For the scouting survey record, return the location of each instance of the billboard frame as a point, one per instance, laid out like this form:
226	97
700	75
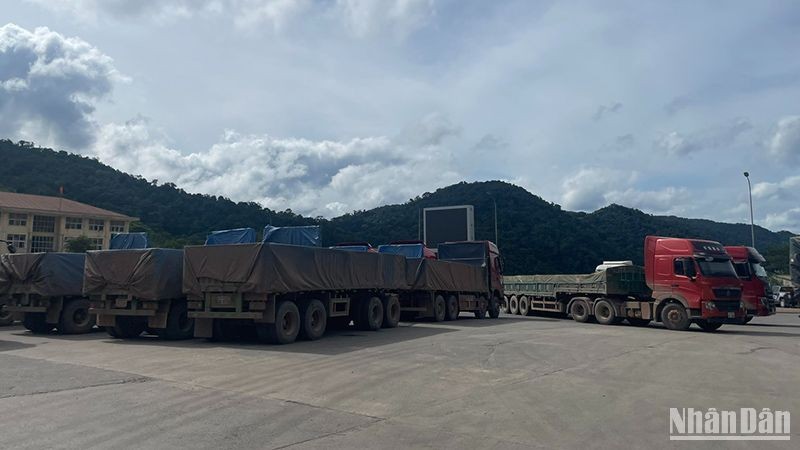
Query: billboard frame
470	220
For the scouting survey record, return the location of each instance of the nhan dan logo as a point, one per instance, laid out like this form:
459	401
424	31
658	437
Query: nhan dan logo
745	424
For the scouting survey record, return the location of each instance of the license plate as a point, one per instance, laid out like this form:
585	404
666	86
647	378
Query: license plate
120	303
221	301
731	315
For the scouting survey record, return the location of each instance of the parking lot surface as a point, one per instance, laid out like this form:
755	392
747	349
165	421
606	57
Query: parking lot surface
514	382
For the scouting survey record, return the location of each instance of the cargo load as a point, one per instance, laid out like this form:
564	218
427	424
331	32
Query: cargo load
235	236
309	236
430	274
619	280
120	241
150	274
44	274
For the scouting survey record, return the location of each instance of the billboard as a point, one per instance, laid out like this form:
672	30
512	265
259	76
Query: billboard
447	224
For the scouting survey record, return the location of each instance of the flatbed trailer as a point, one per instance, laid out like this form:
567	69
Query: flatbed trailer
287	291
44	291
137	290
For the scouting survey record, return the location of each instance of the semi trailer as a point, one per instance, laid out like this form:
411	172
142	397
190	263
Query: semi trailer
44	291
683	281
133	291
756	294
287	291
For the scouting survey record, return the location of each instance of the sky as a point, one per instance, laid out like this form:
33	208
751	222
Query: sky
329	106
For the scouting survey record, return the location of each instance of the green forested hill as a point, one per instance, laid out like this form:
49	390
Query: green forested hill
535	236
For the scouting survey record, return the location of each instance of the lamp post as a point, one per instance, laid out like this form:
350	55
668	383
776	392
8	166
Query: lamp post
752	225
496	238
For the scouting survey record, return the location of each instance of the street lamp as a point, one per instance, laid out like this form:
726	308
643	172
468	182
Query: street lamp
752	226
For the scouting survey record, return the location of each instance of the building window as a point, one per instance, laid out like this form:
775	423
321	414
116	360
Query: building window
96	225
40	244
117	227
17	219
73	223
17	240
44	224
97	244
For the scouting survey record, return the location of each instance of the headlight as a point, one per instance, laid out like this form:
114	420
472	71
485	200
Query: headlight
711	305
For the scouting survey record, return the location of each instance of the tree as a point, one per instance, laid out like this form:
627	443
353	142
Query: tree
80	244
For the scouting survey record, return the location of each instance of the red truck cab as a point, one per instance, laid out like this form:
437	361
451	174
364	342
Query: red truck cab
755	287
409	249
693	281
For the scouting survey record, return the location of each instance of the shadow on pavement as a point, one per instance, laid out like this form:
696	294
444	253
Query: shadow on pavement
7	346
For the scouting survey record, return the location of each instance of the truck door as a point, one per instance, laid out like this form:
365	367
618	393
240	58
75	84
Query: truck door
684	274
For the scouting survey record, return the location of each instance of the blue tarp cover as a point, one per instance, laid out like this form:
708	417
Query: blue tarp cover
126	241
309	236
235	236
407	250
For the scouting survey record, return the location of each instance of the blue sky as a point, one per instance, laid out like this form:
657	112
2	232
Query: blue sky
331	106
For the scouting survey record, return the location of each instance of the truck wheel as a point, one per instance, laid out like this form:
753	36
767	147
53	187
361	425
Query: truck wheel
439	309
75	317
674	317
315	320
604	312
37	323
747	319
637	322
504	305
524	306
579	311
370	317
494	308
480	313
129	327
452	307
6	318
513	305
179	325
112	331
286	326
708	326
391	311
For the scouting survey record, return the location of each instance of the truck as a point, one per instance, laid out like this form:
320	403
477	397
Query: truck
409	249
683	281
756	294
138	290
44	291
287	291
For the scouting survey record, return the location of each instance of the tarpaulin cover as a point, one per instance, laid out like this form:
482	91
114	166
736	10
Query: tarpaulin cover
45	274
236	236
466	252
150	274
407	250
120	241
794	259
430	274
623	280
307	235
275	268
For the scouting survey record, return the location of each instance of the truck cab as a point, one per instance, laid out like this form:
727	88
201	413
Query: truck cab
693	281
484	254
755	285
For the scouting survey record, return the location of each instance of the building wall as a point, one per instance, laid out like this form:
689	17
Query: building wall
96	228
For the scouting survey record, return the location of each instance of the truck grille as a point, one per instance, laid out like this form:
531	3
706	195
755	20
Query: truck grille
727	306
728	293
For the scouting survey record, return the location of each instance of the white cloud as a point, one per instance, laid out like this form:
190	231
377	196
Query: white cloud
366	17
716	137
49	84
785	143
783	220
786	189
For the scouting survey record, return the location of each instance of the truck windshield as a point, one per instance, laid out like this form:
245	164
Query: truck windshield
758	269
742	269
716	267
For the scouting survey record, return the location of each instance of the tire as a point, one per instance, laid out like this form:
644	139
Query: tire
315	320
708	326
524	306
37	323
604	312
75	317
129	327
439	309
513	305
579	311
338	323
391	311
452	307
504	306
6	317
637	322
747	319
370	315
480	313
674	317
112	331
179	325
286	327
494	308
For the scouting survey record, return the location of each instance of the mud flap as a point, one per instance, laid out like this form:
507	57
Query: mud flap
54	310
204	328
159	320
106	320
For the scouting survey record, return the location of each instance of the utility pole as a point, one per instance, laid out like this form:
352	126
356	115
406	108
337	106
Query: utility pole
496	237
752	225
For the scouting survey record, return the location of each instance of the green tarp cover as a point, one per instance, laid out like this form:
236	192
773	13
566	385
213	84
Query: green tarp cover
625	280
150	274
45	274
